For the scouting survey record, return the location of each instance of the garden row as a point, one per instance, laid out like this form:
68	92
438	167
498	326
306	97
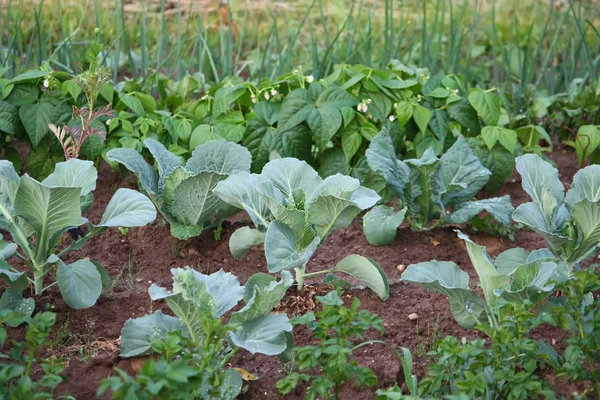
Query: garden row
303	158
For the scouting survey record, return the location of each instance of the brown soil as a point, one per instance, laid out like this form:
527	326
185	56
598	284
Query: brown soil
145	256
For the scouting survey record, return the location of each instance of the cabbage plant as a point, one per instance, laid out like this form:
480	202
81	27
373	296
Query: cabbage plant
199	302
432	188
37	214
570	224
515	276
183	193
294	211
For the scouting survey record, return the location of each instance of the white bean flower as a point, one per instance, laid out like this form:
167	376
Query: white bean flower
392	118
310	79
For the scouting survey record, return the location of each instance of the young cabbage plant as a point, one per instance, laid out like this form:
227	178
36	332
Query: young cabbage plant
294	211
516	276
569	224
37	214
184	193
432	188
199	302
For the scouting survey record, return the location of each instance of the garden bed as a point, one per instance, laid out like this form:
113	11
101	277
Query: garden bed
89	338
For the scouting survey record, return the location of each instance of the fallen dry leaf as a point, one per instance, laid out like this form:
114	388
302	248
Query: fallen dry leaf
247	376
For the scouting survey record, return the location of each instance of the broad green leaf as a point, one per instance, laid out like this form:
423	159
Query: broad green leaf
586	215
148	102
295	109
232	385
71	87
588	140
380	225
446	278
426	187
245	239
351	141
74	173
439	124
381	157
331	299
487	104
133	103
137	334
167	161
202	134
425	141
367	271
531	282
16	280
499	207
295	142
462	112
404	111
500	162
13	300
239	190
35	119
22	94
185	232
225	96
41	160
260	139
422	116
8	117
92	147
80	283
134	162
256	281
495	134
265	298
265	335
190	300
336	202
324	123
539	178
540	254
334	97
32	74
490	279
219	156
224	287
194	202
50	211
461	174
281	251
586	185
531	135
290	174
128	208
531	215
7	249
9	182
439	93
333	161
508	261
